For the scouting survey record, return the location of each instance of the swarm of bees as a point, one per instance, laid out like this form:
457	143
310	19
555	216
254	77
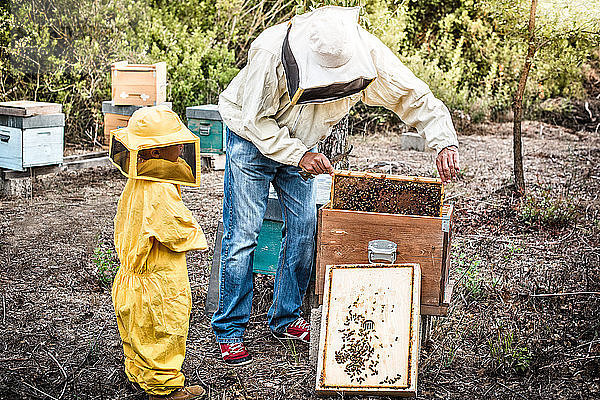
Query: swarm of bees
357	351
384	195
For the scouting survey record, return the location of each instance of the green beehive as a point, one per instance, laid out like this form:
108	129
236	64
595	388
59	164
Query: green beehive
206	123
266	254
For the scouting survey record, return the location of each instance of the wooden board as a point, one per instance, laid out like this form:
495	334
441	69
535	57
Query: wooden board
25	108
369	337
343	237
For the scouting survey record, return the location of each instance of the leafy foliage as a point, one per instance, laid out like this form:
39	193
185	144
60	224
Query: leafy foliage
468	52
543	209
507	354
107	264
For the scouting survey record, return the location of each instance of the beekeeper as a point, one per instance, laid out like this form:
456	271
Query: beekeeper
153	230
301	78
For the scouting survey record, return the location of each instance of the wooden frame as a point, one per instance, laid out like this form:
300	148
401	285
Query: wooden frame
380	176
369	341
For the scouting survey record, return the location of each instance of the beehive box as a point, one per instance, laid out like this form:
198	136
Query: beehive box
407	211
116	116
31	134
369	339
205	122
139	84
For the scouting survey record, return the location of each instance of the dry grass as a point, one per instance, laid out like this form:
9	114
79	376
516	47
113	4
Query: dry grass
500	341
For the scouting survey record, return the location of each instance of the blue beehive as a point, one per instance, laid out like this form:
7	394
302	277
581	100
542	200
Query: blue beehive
31	134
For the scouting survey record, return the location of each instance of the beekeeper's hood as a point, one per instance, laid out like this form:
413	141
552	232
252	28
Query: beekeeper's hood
325	57
156	146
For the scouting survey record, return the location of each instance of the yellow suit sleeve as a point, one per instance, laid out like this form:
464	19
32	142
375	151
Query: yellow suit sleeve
170	222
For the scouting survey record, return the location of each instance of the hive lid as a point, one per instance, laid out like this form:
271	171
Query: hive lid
370	329
206	111
109	107
34	121
26	108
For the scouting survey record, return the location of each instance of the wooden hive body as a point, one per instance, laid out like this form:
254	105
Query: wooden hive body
343	237
117	116
139	84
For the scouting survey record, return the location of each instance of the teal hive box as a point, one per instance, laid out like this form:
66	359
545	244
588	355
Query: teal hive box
206	123
266	254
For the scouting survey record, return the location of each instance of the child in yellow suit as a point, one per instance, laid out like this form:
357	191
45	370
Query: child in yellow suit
153	230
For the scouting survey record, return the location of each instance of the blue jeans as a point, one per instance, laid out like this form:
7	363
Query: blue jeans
248	174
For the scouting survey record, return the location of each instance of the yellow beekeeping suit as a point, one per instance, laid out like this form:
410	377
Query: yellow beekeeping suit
151	292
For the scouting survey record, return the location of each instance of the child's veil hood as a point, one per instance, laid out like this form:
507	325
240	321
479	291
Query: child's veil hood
155	127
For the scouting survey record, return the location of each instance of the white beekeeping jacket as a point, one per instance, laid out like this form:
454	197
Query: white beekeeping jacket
304	75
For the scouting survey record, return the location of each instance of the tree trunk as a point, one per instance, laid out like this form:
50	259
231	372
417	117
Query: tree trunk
518	104
335	146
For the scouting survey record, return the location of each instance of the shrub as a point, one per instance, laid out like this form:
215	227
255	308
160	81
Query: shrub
107	264
467	269
61	50
541	208
507	355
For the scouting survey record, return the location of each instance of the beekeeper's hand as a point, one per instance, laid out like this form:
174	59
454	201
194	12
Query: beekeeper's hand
315	163
447	163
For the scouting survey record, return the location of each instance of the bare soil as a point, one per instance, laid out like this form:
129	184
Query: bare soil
511	332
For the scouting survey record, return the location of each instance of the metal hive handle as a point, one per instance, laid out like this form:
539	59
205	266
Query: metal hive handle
382	250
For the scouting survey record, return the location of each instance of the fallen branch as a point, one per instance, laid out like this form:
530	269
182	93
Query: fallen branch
62	370
563	294
571	360
79	368
38	390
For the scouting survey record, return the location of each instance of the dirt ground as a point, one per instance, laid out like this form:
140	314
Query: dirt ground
501	340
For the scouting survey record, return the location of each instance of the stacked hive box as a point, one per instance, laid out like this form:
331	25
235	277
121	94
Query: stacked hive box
368	211
116	116
138	84
133	86
31	134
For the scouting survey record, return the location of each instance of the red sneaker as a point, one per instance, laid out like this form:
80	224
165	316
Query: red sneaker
299	329
235	354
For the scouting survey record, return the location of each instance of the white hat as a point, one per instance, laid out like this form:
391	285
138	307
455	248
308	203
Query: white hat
325	57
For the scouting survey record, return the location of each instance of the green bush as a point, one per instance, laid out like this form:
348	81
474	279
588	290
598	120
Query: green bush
507	355
107	264
542	208
467	269
61	51
468	52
